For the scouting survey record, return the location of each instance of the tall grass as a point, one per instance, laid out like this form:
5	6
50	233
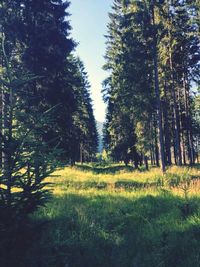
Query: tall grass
112	216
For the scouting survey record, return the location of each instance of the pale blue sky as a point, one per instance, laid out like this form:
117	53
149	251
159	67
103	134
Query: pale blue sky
88	20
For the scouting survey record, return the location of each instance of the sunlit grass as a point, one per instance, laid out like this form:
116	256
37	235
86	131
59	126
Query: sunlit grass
83	180
116	216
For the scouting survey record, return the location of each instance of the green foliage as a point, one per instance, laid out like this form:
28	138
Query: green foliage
26	160
45	109
84	140
148	39
130	99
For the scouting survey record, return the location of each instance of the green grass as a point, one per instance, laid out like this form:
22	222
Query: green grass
112	216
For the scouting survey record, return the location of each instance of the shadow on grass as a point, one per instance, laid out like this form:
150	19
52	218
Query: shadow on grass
105	230
196	166
105	170
120	184
112	169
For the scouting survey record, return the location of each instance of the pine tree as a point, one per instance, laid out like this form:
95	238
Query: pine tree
152	55
84	133
41	91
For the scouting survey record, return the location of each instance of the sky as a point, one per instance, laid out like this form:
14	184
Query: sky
89	19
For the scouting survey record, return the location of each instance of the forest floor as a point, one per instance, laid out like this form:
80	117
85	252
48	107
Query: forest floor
113	216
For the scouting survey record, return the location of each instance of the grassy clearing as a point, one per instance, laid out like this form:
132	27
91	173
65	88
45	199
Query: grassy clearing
118	178
113	216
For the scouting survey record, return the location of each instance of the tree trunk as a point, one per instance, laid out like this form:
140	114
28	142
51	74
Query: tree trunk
81	153
177	140
183	149
176	116
189	135
156	149
6	142
157	92
7	118
146	163
166	129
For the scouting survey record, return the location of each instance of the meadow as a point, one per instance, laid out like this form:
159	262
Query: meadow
114	216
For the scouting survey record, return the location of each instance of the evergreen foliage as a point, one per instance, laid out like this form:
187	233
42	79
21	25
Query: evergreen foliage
46	114
153	59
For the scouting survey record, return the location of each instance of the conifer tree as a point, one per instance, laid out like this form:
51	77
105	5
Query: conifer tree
41	91
153	57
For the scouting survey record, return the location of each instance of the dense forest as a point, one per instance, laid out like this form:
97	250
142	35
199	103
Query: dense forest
67	197
46	110
153	59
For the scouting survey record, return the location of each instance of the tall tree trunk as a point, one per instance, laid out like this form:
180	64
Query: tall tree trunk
176	116
157	91
146	163
7	114
189	135
166	129
183	149
1	133
174	138
151	156
152	147
6	142
156	148
177	143
81	153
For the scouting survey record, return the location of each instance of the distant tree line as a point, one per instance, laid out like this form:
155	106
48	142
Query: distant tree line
153	55
46	113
